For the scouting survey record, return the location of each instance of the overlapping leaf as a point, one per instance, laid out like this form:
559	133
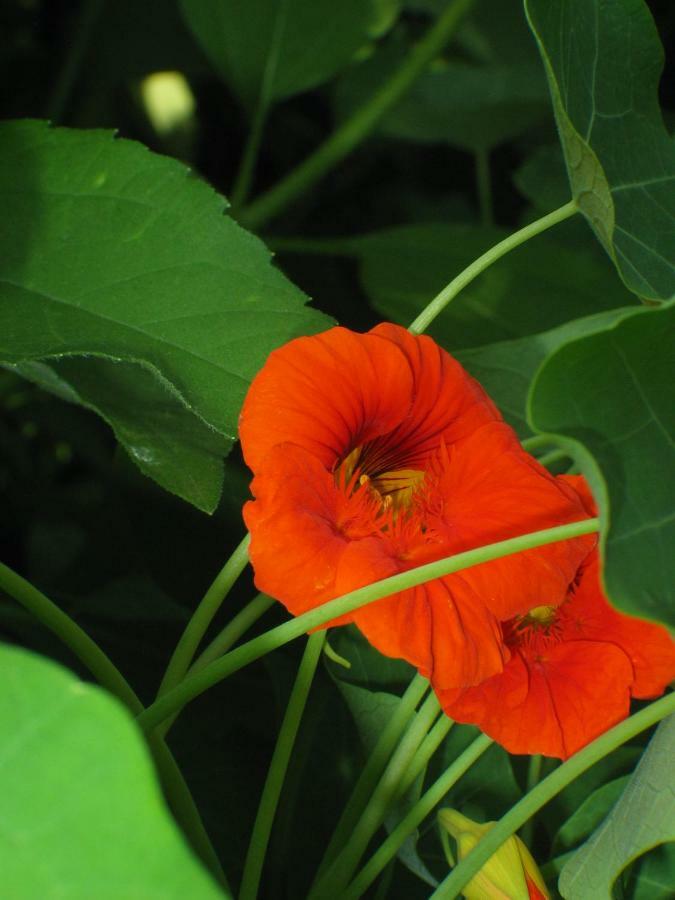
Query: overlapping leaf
540	285
603	62
506	369
82	814
643	817
611	392
108	250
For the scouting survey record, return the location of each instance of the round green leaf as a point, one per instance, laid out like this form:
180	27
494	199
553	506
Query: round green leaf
82	814
611	392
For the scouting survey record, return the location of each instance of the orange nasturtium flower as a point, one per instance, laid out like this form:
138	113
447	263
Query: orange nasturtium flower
375	453
572	671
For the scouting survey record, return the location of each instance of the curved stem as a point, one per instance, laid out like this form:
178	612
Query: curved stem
277	771
431	798
338	874
203	616
373	769
95	660
538	442
70	633
196	684
553	456
438	304
222	643
355	129
549	788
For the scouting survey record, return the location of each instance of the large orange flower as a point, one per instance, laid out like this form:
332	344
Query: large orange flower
572	671
376	453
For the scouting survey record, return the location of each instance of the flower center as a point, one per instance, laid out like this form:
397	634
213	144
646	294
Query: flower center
540	625
394	488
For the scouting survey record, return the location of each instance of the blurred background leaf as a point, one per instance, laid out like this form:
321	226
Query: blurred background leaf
277	48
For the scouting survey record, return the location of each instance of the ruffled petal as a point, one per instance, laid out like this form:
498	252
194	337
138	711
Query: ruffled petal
490	490
326	393
441	627
448	404
300	526
650	647
554	704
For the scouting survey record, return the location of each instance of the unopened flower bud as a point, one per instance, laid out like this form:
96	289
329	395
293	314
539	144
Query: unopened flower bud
510	874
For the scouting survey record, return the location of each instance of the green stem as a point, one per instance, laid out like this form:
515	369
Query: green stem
70	633
533	776
338	874
427	748
203	616
484	187
374	768
103	670
234	629
194	685
356	129
277	771
222	643
538	442
438	304
89	13
547	789
430	799
553	457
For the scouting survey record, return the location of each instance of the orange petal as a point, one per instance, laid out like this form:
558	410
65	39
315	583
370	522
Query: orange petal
650	647
448	403
553	705
326	393
493	491
300	526
441	627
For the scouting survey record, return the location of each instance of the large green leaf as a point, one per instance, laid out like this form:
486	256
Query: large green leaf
107	250
603	62
506	369
491	93
611	392
82	813
164	438
536	287
270	49
642	818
